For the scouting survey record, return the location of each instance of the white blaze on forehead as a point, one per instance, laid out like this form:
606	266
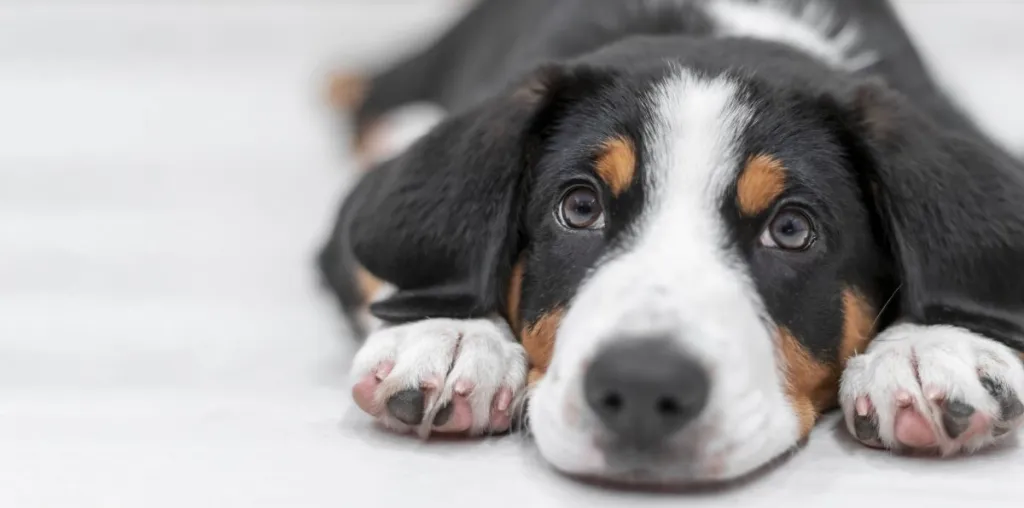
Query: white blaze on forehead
677	277
677	270
693	144
676	259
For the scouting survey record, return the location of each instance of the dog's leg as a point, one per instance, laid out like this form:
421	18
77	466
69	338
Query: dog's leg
933	388
419	78
442	376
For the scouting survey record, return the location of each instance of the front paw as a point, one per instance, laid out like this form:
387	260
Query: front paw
442	375
933	388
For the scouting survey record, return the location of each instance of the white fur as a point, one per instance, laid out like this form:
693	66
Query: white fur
949	359
675	279
442	352
398	129
806	27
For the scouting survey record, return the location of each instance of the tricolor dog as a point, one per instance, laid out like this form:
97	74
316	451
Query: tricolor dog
674	233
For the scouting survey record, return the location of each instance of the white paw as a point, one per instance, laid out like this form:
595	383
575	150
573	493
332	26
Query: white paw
933	388
442	375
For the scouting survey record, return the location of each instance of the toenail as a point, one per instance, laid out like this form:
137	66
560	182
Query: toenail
382	371
863	406
407	406
904	399
463	387
444	414
504	400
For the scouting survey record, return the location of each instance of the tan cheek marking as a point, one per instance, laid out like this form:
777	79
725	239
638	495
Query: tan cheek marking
617	164
515	294
539	342
858	325
762	181
811	386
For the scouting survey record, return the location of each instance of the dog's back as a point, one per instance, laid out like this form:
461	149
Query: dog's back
499	41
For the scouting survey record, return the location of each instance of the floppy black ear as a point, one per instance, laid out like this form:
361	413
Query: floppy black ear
952	203
441	221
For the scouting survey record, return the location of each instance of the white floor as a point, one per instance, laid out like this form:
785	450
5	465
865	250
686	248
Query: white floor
166	174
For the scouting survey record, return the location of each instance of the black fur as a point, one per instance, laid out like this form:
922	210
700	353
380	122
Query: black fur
911	198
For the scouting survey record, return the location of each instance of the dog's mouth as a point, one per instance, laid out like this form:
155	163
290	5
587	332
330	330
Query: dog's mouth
735	440
658	477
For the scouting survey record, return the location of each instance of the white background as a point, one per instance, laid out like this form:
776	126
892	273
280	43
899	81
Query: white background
167	171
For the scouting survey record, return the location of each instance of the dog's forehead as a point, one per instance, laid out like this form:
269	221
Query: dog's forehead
703	139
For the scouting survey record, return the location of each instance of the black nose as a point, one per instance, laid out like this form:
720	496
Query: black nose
644	391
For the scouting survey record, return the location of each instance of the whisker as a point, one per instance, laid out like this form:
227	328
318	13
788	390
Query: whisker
887	302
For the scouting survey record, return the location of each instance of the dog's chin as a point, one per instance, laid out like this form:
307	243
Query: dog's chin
657	480
679	474
717	452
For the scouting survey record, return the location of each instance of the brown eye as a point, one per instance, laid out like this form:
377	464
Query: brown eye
581	209
789	230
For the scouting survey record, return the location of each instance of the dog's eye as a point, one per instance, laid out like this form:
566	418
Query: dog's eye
789	230
581	209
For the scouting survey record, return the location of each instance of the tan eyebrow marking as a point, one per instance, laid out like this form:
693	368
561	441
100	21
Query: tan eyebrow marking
762	181
616	165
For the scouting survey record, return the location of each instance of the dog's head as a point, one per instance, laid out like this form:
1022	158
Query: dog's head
690	255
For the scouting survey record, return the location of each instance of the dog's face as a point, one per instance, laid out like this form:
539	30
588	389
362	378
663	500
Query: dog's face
689	257
700	261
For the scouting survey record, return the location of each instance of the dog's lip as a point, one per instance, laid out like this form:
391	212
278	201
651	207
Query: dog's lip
647	480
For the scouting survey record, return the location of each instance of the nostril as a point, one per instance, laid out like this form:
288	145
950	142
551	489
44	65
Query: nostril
612	402
669	407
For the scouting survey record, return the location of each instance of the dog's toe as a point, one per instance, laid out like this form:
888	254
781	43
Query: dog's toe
926	389
441	376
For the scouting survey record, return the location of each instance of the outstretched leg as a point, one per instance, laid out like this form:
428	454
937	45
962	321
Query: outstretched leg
933	388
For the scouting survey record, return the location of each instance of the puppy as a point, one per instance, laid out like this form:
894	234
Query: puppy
681	231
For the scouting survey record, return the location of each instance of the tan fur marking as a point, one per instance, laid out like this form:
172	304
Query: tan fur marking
346	91
858	325
617	164
539	342
368	284
368	146
811	386
762	181
515	293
